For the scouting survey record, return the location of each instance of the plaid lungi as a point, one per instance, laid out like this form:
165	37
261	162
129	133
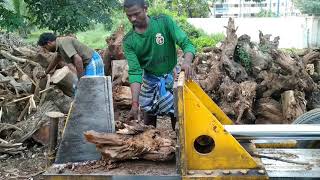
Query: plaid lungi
156	95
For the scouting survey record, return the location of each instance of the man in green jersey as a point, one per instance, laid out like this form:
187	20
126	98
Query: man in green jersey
150	49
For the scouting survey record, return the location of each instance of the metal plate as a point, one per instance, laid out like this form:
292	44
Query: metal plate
92	110
280	169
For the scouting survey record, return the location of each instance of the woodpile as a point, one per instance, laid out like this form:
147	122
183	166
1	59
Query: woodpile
253	82
24	97
257	82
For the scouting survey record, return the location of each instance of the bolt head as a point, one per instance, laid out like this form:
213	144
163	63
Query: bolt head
226	172
244	172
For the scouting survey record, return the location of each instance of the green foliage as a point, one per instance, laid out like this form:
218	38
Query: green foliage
192	8
245	59
308	6
190	30
70	16
9	20
207	41
266	13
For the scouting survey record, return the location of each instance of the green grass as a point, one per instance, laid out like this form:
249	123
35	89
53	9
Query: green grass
94	38
207	40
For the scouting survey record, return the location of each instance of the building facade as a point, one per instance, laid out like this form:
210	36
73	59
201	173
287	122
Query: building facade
242	8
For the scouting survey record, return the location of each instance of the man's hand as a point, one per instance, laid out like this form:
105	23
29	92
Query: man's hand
187	65
134	112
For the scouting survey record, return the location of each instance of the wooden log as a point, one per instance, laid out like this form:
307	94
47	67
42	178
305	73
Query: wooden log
120	74
122	95
243	106
293	105
65	80
24	51
150	145
17	59
269	111
234	70
33	123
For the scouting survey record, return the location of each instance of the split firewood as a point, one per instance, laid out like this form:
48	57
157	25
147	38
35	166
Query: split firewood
18	87
17	59
33	123
24	52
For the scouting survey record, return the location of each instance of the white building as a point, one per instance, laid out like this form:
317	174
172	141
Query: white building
241	8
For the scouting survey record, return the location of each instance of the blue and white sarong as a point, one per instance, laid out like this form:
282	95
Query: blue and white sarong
156	95
95	66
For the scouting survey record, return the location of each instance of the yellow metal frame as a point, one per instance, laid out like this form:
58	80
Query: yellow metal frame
198	115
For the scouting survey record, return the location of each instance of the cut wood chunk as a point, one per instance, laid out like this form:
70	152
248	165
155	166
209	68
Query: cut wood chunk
122	95
65	79
120	72
293	105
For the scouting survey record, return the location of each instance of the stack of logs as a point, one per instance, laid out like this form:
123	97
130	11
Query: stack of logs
24	97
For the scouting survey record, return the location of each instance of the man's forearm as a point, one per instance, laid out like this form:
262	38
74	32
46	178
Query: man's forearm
135	91
53	64
78	63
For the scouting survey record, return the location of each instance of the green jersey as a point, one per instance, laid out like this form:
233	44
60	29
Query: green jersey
154	51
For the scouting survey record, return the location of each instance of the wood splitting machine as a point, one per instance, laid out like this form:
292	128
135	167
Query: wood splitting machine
210	146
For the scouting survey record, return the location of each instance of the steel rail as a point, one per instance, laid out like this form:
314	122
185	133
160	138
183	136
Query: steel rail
294	132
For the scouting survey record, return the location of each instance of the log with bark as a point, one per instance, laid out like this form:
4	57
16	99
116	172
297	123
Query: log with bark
65	79
293	105
134	142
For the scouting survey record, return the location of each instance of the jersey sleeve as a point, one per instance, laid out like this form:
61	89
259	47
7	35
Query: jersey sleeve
135	71
180	36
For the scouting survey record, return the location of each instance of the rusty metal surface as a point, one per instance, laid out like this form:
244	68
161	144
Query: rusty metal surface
130	168
307	166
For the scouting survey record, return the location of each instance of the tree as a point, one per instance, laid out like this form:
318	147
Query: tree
308	6
9	20
192	8
70	16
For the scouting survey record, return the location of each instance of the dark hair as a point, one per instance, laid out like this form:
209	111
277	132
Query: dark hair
45	38
130	3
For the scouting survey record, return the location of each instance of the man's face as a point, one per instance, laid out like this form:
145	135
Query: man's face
50	46
137	15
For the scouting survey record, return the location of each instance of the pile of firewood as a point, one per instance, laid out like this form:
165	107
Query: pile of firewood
257	82
24	97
